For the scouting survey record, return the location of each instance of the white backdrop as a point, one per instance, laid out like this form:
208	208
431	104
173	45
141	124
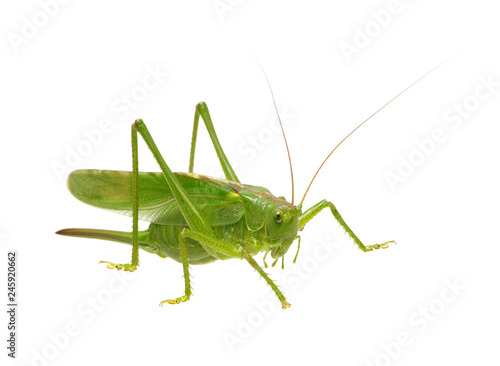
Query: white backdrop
423	172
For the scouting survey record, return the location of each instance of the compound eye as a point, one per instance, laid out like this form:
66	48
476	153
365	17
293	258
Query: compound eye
278	216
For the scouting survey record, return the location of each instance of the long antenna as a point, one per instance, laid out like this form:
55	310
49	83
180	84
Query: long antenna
366	120
281	125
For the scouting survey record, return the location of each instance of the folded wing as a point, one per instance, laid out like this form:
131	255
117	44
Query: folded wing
217	201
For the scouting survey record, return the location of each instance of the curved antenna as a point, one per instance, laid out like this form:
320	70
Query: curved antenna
281	125
366	120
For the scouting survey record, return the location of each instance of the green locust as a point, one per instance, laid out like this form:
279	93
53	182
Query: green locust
197	219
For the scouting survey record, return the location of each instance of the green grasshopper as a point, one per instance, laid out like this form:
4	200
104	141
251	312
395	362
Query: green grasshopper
197	219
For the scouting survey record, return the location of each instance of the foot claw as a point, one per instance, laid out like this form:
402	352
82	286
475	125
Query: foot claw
385	245
285	305
175	301
129	267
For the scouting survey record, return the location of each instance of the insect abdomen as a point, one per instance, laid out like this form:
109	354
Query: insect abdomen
165	238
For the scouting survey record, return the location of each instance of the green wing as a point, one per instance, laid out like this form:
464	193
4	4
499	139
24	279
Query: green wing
216	200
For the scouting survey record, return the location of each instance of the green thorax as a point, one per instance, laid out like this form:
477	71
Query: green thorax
258	228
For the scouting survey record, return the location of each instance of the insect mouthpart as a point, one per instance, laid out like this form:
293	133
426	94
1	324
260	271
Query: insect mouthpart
279	249
276	252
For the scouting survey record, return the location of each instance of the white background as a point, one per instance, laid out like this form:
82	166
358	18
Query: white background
348	307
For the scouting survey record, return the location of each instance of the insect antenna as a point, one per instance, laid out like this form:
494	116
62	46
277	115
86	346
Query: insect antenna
366	120
281	125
